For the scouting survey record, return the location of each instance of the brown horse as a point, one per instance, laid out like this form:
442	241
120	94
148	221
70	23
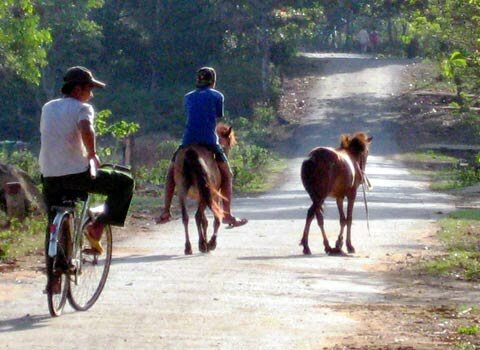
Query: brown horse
197	176
336	173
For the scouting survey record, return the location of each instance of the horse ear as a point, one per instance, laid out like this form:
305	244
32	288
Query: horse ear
229	131
344	141
369	140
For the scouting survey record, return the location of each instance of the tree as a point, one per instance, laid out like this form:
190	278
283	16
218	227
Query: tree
76	40
23	43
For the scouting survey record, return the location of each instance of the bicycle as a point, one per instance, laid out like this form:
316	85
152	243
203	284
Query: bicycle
79	271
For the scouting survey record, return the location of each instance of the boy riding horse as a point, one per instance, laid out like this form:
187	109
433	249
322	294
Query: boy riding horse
203	106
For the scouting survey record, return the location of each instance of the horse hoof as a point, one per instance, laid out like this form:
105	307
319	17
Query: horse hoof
336	252
188	249
351	250
307	251
212	244
203	247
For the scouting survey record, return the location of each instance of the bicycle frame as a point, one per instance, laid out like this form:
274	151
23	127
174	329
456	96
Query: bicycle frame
78	221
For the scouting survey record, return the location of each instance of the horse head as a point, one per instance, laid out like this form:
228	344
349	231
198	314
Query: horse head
226	137
356	146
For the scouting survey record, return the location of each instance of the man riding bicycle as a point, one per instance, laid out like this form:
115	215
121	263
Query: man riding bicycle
203	107
68	147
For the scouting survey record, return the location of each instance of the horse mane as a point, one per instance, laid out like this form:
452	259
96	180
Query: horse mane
226	131
356	143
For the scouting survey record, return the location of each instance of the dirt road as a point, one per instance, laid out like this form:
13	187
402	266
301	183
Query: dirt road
257	290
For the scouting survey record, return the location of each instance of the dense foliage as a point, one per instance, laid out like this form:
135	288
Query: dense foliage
148	51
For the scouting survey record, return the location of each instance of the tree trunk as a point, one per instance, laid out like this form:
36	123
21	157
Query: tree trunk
349	34
390	30
265	52
155	44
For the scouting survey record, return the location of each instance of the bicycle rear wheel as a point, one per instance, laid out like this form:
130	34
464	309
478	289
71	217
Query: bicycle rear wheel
87	283
57	281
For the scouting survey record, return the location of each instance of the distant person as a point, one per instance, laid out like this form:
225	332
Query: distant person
413	48
364	40
203	106
374	40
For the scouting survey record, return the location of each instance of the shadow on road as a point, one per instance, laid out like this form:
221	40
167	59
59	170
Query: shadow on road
23	323
135	259
282	257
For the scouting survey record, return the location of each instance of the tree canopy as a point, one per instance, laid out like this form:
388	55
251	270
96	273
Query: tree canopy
148	51
23	44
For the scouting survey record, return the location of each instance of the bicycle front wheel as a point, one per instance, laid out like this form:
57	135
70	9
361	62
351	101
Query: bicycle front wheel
87	283
57	281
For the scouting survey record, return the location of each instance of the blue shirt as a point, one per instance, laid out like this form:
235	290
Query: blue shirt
202	106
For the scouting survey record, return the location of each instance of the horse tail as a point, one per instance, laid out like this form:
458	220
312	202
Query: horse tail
193	171
316	174
307	174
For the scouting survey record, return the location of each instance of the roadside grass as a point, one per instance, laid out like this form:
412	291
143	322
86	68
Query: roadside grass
460	232
21	238
430	157
456	325
145	203
469	330
442	170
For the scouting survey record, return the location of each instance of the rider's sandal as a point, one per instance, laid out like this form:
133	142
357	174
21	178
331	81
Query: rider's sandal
94	243
234	222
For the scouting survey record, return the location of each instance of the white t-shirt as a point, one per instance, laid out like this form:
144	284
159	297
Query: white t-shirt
62	151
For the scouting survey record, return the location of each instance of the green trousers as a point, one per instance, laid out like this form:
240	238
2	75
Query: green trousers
116	185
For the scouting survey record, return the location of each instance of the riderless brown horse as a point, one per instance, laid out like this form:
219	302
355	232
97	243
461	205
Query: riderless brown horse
335	173
197	176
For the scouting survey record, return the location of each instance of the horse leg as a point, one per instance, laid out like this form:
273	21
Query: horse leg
343	222
212	244
326	244
351	201
306	230
188	245
202	225
205	228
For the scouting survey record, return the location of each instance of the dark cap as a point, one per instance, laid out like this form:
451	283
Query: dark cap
81	75
205	76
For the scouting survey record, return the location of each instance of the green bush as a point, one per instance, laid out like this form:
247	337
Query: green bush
156	174
257	130
467	177
248	164
152	175
25	160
